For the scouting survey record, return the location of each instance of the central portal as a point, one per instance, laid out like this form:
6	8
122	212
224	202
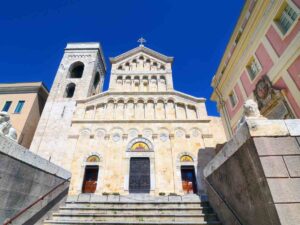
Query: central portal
139	178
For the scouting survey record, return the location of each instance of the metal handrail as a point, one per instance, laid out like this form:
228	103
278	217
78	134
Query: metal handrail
225	202
10	220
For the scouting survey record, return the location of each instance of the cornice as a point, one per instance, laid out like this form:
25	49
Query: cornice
159	94
207	120
40	89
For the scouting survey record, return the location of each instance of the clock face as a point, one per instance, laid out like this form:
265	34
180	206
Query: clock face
262	89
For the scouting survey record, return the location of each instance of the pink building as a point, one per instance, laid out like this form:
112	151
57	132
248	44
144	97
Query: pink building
262	62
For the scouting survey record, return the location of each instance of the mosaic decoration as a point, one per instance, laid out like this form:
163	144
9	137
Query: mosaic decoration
140	147
93	158
186	158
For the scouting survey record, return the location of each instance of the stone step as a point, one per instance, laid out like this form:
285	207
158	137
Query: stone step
135	210
138	204
157	210
136	198
74	222
135	218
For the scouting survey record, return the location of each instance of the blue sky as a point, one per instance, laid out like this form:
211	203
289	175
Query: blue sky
195	32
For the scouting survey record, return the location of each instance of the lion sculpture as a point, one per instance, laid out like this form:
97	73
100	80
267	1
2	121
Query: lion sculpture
6	128
250	111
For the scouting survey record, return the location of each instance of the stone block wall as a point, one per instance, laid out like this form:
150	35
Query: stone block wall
25	177
255	178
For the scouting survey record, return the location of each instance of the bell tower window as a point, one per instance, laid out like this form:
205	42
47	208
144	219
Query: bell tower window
76	70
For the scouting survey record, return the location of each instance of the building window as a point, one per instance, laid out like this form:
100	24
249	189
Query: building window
233	99
6	106
76	70
70	89
253	68
286	18
19	107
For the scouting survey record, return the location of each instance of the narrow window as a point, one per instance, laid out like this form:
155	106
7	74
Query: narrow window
19	107
7	106
233	99
96	84
253	68
286	18
70	89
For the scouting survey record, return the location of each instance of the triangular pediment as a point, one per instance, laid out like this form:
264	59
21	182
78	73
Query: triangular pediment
141	49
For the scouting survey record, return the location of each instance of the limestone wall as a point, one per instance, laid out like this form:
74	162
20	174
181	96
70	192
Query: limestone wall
111	142
24	177
257	174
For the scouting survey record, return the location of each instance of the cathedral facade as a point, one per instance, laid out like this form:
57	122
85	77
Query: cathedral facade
139	136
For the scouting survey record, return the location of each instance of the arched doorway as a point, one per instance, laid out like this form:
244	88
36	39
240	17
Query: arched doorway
91	172
188	175
141	166
139	175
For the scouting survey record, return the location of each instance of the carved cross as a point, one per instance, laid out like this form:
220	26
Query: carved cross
142	41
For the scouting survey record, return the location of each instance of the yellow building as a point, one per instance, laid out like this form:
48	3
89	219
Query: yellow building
24	102
262	62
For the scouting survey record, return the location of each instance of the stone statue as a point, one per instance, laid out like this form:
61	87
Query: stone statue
6	128
251	111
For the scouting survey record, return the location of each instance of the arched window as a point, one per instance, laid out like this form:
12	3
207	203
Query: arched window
70	89
119	79
162	79
76	70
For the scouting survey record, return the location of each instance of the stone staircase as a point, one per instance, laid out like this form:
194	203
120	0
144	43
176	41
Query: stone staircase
135	209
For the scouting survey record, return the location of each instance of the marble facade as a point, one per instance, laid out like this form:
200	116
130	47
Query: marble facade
140	106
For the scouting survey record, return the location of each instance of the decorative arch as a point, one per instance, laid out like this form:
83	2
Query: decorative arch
100	133
195	132
93	159
189	155
87	156
76	70
140	145
85	132
180	132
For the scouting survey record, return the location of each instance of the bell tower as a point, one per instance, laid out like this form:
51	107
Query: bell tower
80	75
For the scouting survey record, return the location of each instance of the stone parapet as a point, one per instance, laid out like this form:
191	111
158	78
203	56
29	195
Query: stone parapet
11	149
257	174
24	178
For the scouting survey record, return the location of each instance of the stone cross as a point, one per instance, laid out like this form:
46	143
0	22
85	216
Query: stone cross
142	41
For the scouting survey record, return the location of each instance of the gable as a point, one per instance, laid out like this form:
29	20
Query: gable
141	58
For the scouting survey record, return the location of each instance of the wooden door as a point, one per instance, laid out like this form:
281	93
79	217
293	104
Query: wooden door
188	178
90	179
